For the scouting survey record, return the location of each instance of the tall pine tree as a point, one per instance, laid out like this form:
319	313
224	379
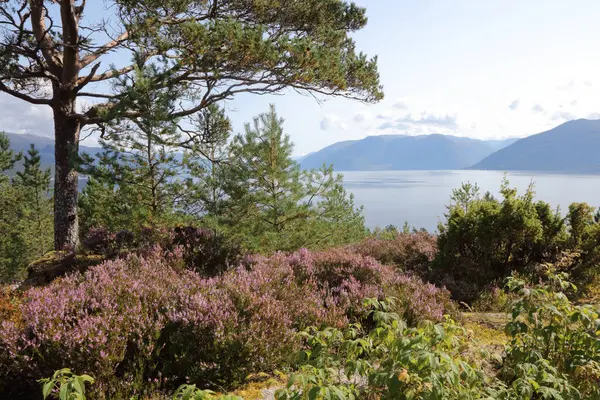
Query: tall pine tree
37	212
207	159
133	182
25	212
273	205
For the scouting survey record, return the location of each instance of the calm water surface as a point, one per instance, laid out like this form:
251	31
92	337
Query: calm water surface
420	197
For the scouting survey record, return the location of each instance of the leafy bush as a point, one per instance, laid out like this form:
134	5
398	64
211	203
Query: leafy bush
205	251
392	361
554	350
65	385
131	320
484	239
493	299
553	353
191	392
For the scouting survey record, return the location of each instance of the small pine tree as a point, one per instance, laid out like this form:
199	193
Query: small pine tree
273	205
37	213
13	249
8	157
206	160
25	212
133	182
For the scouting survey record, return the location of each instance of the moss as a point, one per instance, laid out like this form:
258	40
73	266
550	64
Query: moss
258	383
56	264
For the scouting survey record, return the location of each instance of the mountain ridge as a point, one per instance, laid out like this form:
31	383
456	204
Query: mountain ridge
404	152
569	148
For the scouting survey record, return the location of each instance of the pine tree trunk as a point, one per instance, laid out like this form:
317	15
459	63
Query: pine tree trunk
66	133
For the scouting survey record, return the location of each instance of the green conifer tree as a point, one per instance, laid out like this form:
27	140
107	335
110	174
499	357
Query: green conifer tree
25	212
36	211
8	157
207	159
134	182
272	204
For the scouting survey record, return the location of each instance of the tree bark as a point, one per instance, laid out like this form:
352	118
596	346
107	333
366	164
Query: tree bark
66	149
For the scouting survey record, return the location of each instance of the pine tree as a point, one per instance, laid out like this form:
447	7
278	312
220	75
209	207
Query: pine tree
25	212
8	157
335	219
206	160
134	181
12	248
211	50
37	213
273	205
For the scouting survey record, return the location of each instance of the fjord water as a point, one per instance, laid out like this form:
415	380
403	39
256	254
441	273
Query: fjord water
420	197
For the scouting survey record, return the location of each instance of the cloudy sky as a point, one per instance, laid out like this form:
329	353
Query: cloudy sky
483	69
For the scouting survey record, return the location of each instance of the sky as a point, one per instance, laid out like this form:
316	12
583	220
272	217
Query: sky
482	69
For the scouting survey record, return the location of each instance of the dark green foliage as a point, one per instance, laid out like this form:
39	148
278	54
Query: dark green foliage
484	239
202	250
580	219
205	251
272	205
25	213
8	158
13	256
37	209
207	159
133	182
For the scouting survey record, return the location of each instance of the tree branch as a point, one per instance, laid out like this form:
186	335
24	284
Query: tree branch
82	82
90	58
71	38
45	43
23	96
109	74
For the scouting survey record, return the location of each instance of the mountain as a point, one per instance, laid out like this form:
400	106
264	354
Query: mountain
571	147
401	152
45	145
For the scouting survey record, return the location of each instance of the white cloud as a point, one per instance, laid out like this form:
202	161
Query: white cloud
423	123
360	117
401	105
563	116
514	104
331	122
18	116
537	108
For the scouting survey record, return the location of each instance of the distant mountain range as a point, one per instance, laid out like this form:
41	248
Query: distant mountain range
572	147
401	152
45	145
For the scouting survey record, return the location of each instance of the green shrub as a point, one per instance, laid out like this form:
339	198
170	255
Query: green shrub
555	345
65	385
392	361
484	239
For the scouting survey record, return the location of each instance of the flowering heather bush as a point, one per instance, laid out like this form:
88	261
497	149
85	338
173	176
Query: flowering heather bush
131	320
203	250
406	251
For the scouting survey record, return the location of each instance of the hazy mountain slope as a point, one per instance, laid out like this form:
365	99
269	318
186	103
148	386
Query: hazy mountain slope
500	144
45	145
400	152
570	147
